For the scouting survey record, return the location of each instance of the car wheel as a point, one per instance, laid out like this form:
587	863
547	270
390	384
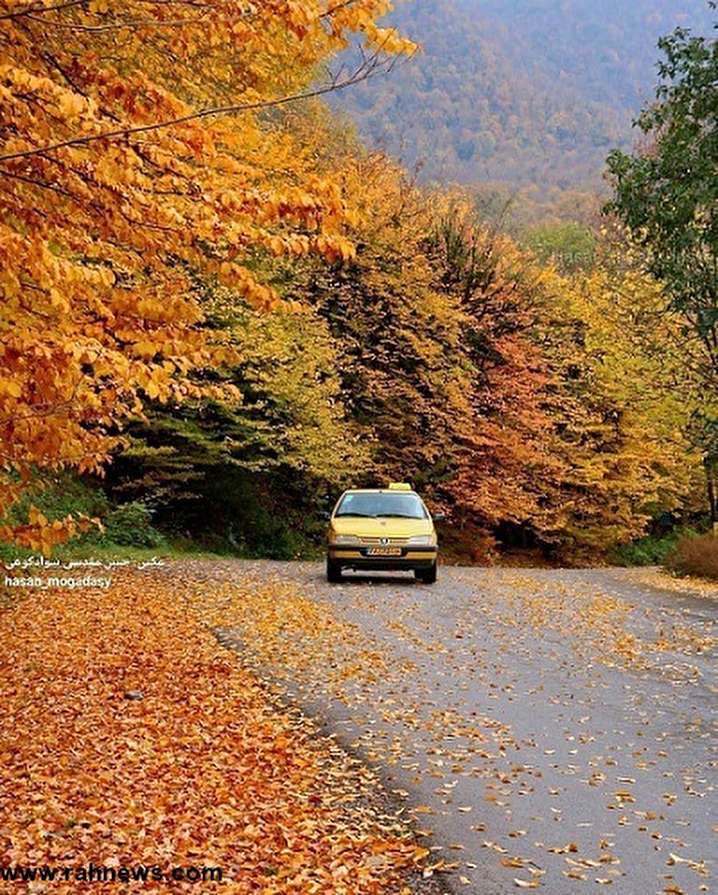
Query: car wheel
334	571
426	576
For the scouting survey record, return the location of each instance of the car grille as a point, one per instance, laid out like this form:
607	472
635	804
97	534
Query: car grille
385	542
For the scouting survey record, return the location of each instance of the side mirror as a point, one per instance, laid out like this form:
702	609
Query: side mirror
438	517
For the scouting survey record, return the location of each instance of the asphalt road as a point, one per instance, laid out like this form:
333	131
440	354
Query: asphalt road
549	729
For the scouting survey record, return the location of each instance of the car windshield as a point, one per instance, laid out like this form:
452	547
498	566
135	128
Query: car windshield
381	503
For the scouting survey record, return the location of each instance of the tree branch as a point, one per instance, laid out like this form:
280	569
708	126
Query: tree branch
114	26
39	9
333	9
366	70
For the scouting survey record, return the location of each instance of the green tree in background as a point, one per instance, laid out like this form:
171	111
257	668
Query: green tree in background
667	195
569	245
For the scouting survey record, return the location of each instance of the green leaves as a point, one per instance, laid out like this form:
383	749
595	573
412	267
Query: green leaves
668	194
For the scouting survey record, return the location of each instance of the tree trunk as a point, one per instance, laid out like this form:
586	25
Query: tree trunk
711	485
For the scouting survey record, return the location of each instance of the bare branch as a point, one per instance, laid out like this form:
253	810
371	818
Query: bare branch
39	9
115	26
333	9
366	70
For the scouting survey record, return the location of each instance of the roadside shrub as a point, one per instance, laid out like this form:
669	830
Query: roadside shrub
130	525
56	495
60	495
695	556
468	545
64	493
651	550
262	536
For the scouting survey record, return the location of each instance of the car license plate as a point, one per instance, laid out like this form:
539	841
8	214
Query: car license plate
384	551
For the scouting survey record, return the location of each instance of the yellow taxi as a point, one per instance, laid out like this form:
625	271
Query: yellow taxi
382	529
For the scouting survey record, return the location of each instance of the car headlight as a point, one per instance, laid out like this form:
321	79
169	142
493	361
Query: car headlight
422	539
344	539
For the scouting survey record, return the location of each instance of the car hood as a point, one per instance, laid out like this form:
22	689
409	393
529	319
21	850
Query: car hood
382	527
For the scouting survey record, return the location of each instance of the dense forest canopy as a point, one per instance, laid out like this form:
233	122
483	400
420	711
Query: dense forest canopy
519	91
212	323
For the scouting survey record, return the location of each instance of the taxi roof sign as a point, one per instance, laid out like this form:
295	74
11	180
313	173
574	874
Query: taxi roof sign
400	486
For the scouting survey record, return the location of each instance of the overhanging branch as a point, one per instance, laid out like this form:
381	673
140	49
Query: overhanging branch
368	68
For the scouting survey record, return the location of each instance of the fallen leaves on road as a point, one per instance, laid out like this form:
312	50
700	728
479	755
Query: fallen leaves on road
598	624
683	585
451	695
130	737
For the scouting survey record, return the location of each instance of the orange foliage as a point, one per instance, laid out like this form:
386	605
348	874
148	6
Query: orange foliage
503	453
106	217
130	737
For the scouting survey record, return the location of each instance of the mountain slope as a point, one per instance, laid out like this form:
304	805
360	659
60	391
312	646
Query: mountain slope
519	91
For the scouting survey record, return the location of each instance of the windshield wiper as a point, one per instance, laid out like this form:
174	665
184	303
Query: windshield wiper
398	516
365	515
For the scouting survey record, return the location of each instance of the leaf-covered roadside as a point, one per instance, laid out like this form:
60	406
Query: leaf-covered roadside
545	728
196	767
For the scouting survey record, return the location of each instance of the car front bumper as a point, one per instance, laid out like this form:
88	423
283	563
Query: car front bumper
419	557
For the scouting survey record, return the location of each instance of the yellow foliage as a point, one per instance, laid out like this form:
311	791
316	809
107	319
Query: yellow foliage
622	402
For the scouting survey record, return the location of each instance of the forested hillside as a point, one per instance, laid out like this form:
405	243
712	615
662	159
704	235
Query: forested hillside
519	91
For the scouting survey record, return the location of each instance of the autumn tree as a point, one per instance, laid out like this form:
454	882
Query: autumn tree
620	403
570	246
501	459
581	394
135	149
263	456
401	367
